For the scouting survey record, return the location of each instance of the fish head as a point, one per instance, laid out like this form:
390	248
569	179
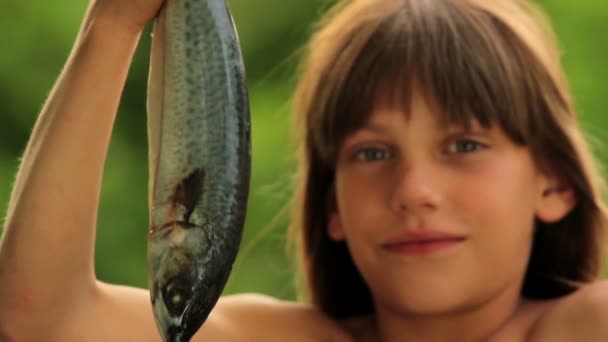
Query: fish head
181	299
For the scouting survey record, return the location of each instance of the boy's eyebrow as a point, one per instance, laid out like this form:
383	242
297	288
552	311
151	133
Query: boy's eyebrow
472	126
373	127
366	128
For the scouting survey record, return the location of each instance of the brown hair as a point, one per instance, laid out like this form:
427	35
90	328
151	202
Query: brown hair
495	62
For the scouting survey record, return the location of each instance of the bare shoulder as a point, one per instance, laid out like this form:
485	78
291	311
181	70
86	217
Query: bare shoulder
256	317
122	313
580	316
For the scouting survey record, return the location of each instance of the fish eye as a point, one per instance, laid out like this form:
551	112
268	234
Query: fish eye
175	296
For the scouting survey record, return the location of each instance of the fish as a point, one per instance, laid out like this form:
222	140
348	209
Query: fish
199	146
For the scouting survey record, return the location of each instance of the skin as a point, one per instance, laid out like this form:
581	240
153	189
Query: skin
47	279
402	173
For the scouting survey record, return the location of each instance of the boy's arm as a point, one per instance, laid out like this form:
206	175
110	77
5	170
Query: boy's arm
48	288
46	252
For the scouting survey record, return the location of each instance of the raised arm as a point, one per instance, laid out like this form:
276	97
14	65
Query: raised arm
46	252
48	288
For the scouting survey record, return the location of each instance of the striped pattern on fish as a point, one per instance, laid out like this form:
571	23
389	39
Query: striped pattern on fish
200	160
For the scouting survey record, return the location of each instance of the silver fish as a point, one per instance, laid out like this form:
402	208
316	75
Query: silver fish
200	161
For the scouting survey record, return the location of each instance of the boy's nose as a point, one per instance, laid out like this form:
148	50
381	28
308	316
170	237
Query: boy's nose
415	188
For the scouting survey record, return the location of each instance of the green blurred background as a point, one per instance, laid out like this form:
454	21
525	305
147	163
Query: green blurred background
36	38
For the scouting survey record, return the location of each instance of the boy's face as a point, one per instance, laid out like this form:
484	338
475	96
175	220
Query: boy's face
439	219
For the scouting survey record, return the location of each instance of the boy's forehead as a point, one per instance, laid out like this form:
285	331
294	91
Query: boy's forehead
406	94
382	118
413	98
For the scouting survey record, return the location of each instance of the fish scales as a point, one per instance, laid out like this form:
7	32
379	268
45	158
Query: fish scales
199	131
201	111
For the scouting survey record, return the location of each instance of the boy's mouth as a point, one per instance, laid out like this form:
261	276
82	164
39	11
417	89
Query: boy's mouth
420	242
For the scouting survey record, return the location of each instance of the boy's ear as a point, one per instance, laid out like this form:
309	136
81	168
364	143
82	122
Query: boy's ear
557	199
334	222
334	227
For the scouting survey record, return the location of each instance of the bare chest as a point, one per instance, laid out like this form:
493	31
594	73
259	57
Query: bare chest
521	326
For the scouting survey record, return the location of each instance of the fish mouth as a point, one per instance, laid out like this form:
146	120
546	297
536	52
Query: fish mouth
174	329
175	333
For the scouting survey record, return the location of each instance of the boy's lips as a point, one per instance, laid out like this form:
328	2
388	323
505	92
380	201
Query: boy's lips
417	242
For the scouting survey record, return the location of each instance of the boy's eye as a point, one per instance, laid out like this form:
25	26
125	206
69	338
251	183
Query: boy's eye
372	154
464	146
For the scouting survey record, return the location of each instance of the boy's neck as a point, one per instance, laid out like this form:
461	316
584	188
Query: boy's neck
475	323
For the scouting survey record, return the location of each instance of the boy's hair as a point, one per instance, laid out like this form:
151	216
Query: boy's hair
495	62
